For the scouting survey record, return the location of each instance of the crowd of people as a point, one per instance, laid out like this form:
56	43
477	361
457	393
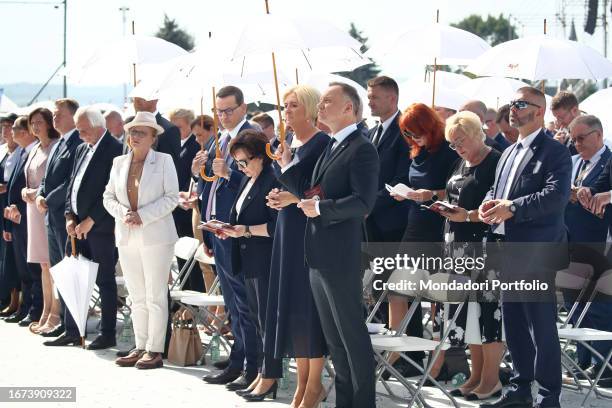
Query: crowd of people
290	263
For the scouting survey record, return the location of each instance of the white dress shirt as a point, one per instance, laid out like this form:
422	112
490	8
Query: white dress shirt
243	196
9	165
386	124
526	143
78	178
592	163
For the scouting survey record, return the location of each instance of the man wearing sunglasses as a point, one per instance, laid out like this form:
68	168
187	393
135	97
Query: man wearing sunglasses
526	205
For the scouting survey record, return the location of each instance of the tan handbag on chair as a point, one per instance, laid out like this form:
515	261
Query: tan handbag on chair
185	344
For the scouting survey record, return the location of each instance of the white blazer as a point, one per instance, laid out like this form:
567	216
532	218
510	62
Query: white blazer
157	198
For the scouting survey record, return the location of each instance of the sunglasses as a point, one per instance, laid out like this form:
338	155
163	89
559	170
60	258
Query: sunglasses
520	105
243	163
409	134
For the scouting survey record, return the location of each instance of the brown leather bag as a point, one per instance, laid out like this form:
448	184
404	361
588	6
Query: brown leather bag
185	344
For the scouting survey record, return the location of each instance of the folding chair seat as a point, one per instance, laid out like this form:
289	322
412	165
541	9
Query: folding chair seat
576	277
185	249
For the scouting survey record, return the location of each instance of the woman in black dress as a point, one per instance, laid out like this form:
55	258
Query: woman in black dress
432	161
467	185
297	332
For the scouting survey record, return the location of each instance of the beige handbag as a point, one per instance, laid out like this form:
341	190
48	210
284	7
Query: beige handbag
185	344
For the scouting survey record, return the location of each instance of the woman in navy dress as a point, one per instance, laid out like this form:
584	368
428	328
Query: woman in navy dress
297	332
432	161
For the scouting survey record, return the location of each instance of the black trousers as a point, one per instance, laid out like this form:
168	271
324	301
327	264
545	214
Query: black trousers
100	248
29	273
257	296
338	297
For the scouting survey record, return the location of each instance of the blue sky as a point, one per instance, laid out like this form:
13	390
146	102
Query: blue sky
32	33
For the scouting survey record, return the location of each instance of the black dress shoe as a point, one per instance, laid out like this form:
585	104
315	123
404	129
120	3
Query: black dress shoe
260	397
7	313
226	376
241	382
64	340
125	353
55	333
510	400
26	321
102	342
222	364
15	317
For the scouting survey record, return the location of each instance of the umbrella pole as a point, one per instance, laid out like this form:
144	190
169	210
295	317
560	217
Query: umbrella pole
73	246
433	91
281	125
82	341
134	64
297	77
543	83
212	178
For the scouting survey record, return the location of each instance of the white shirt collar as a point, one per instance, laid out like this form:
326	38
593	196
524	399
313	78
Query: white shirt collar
593	160
29	148
387	123
67	135
234	132
183	141
526	142
94	147
344	133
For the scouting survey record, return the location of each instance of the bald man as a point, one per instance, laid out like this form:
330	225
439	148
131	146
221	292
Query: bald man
480	109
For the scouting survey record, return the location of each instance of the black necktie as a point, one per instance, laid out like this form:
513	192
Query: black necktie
328	150
379	131
505	173
581	173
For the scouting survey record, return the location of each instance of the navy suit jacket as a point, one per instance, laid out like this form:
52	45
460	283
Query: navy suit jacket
89	196
540	191
252	256
54	184
169	141
183	171
502	142
394	157
583	225
13	193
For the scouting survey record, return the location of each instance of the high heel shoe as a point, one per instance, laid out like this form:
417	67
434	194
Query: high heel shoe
244	392
475	396
260	397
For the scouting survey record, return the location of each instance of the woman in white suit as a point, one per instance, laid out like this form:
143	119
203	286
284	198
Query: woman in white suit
141	193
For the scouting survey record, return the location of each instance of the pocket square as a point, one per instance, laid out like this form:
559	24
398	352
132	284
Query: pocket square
315	192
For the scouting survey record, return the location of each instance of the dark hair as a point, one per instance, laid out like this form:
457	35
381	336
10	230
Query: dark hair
503	114
564	100
350	93
203	120
254	143
70	104
263	119
9	117
384	82
420	119
48	118
231	91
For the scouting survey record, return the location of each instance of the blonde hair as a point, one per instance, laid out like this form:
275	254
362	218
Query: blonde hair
182	113
466	122
307	96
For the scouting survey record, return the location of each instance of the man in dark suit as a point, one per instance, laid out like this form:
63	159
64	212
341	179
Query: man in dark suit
564	107
507	134
342	192
217	200
526	204
15	230
52	191
88	221
492	131
588	232
182	119
169	141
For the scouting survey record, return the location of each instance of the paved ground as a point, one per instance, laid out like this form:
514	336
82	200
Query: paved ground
25	362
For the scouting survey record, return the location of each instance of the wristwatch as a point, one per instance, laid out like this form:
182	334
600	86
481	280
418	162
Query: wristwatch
247	232
434	197
513	208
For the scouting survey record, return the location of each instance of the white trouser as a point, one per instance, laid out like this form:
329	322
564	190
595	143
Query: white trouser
146	270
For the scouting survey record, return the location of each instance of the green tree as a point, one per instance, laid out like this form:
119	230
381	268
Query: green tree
171	32
364	73
494	30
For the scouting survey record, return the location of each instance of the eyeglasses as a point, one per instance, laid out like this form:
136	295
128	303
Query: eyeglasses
17	128
582	137
409	134
243	163
457	145
520	105
138	133
226	112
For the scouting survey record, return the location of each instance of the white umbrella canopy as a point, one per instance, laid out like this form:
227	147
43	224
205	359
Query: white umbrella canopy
321	81
436	42
598	104
493	91
75	277
6	104
413	91
111	62
542	58
49	104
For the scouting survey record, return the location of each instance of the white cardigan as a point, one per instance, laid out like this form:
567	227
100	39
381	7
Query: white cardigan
157	198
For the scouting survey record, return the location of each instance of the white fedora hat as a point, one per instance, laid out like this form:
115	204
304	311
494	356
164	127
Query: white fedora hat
144	119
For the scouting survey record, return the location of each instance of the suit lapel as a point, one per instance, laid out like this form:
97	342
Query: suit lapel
533	147
321	167
250	195
597	170
147	170
393	127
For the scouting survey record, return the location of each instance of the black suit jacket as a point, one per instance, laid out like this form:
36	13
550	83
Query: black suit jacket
169	141
604	181
349	182
394	156
13	194
89	196
57	177
183	171
252	256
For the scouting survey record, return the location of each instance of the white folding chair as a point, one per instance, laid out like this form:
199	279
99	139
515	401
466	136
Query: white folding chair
576	277
185	249
585	335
